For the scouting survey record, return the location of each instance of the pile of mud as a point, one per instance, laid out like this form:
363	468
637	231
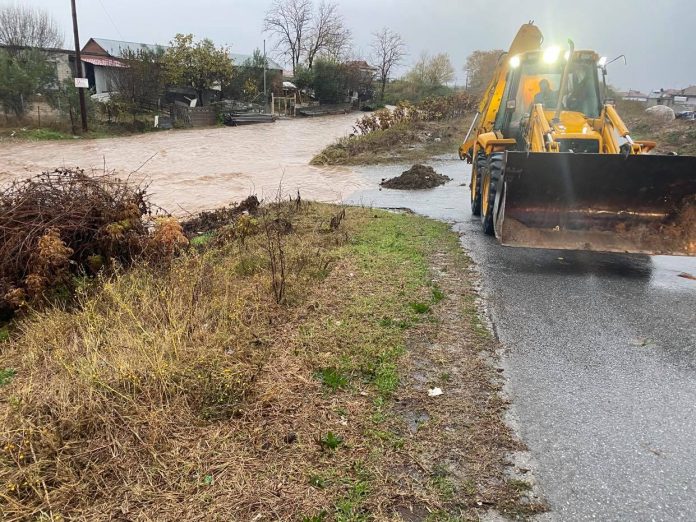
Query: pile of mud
417	177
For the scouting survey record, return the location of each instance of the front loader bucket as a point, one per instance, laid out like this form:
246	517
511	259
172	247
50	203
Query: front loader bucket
605	202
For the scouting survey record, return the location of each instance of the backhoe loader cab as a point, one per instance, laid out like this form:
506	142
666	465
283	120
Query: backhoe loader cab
534	79
554	165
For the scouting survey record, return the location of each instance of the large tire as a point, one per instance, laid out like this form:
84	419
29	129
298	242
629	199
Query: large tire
477	170
492	176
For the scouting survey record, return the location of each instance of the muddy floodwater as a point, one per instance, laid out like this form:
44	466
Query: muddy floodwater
191	170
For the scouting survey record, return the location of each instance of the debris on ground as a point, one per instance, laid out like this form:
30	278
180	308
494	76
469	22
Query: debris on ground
66	223
435	392
417	177
686	275
209	221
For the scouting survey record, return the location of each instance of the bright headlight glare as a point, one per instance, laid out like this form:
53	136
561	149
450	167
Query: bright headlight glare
551	54
515	62
602	61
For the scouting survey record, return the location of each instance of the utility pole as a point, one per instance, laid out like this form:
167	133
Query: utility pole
78	67
265	96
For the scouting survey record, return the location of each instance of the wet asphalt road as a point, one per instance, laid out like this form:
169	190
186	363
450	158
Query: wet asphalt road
600	361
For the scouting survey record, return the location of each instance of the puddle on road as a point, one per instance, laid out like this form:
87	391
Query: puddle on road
449	202
668	272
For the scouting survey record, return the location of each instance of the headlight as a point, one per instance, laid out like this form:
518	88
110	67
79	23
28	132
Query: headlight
551	54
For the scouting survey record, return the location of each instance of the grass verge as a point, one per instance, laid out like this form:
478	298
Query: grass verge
189	393
404	142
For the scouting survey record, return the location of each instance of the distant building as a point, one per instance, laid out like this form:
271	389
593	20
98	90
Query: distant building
102	56
680	100
362	80
63	59
64	62
632	95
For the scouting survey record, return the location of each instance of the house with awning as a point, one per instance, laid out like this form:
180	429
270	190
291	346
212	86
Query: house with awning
101	56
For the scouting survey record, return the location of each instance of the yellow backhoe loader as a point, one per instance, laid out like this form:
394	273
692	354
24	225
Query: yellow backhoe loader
554	165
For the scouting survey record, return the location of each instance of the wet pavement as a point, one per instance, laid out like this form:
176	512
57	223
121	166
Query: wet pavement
600	361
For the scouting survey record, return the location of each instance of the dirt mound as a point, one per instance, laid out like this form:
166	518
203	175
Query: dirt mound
417	177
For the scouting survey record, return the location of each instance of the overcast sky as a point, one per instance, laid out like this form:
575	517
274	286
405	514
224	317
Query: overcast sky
657	37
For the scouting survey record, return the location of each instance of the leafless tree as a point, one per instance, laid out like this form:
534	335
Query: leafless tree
432	70
479	69
22	26
389	50
328	35
289	21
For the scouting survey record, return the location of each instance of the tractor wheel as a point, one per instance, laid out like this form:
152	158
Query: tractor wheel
476	175
493	173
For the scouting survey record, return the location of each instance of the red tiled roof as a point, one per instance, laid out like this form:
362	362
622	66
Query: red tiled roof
103	62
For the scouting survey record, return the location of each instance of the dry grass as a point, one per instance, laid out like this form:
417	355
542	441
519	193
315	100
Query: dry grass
189	393
678	136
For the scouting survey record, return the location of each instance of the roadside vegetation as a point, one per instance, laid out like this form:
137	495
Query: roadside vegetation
676	136
270	369
408	132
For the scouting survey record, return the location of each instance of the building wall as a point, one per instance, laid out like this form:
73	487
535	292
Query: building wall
102	79
38	111
64	66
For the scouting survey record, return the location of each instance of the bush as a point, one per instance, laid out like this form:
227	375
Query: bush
67	223
430	109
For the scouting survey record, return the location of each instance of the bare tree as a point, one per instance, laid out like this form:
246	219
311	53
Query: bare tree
440	71
22	26
328	36
389	50
288	21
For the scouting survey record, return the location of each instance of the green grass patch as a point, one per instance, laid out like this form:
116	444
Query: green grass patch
348	509
202	240
317	481
331	441
332	378
420	308
441	483
438	294
520	485
43	135
7	375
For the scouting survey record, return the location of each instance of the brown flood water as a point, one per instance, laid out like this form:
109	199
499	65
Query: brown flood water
199	169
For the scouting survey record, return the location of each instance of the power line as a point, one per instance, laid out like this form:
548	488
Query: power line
111	19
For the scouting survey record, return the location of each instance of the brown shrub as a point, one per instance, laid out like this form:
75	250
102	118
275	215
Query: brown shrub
431	109
55	224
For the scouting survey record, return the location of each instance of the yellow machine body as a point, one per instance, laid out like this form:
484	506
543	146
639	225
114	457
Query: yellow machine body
554	165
